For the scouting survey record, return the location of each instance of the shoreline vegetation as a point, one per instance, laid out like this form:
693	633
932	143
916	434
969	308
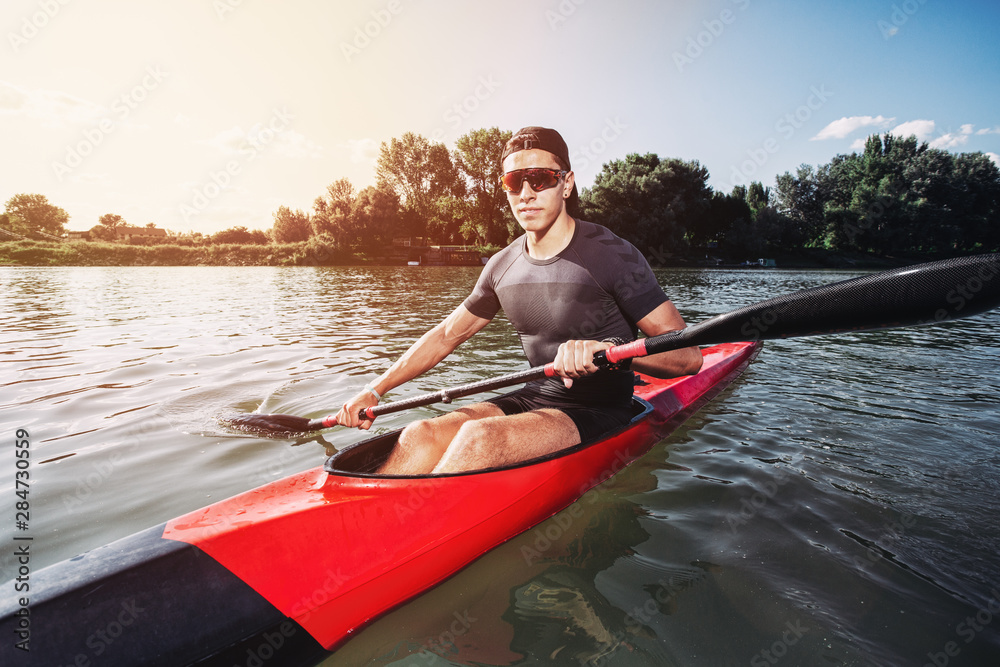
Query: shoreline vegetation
27	253
897	202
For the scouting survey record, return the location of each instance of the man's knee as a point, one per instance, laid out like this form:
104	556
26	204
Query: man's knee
477	444
473	434
416	432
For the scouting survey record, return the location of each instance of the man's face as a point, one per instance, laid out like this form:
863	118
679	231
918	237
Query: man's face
536	211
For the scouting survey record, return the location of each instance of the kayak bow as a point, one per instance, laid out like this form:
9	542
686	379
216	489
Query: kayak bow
290	570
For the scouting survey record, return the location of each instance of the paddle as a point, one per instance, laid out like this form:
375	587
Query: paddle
921	294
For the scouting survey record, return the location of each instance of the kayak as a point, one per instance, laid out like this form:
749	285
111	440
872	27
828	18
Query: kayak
287	572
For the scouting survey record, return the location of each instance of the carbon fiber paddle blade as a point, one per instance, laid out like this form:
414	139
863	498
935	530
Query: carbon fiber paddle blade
270	424
922	294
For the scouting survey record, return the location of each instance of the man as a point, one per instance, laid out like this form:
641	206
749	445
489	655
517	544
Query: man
570	288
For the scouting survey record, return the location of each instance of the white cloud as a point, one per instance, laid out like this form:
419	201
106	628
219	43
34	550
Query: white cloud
228	141
92	179
53	108
950	140
12	99
995	158
923	129
859	144
363	151
261	138
839	129
296	145
987	130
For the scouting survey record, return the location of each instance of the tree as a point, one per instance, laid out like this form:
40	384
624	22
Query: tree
290	226
977	191
240	235
758	197
799	200
419	172
112	220
487	220
332	213
376	213
649	201
725	212
34	215
107	227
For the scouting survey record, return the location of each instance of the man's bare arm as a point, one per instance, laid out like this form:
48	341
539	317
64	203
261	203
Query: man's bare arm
423	355
685	361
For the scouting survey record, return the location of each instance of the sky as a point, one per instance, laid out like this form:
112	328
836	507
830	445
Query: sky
201	115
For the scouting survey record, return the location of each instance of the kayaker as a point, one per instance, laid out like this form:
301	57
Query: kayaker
570	288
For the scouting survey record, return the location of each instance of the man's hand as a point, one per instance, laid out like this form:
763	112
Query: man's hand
348	415
575	359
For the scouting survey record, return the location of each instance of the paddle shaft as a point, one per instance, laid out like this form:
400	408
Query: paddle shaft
444	396
913	295
921	294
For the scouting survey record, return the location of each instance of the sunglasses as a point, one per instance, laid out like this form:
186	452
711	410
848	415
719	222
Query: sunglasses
538	179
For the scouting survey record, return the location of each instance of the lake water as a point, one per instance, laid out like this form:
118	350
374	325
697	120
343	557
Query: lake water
838	505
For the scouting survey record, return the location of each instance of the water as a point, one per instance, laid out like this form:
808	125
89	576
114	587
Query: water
836	506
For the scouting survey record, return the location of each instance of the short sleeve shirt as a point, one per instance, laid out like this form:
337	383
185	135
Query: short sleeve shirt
598	287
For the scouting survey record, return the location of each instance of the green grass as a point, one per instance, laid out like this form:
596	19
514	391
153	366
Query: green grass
97	253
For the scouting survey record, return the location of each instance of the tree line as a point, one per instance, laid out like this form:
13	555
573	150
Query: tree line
896	196
422	190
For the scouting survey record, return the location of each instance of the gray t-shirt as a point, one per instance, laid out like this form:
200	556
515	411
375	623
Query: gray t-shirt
598	287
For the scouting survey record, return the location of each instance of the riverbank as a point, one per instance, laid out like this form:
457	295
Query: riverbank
94	253
314	253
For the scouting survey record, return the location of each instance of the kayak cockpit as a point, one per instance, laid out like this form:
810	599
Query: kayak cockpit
366	457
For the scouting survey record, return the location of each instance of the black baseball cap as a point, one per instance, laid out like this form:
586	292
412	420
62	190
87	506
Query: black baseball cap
541	138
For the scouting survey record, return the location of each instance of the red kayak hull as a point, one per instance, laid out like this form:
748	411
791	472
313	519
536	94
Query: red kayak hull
334	550
285	573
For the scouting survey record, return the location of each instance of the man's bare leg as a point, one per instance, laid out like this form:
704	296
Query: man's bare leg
503	440
422	444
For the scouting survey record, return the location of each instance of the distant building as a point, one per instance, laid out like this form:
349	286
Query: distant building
129	233
78	236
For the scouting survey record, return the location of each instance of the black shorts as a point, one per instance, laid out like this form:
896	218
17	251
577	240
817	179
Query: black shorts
590	422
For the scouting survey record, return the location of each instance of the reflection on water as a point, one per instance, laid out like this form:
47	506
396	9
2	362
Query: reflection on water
836	506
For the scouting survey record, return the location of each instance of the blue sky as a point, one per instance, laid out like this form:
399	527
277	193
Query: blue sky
199	115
